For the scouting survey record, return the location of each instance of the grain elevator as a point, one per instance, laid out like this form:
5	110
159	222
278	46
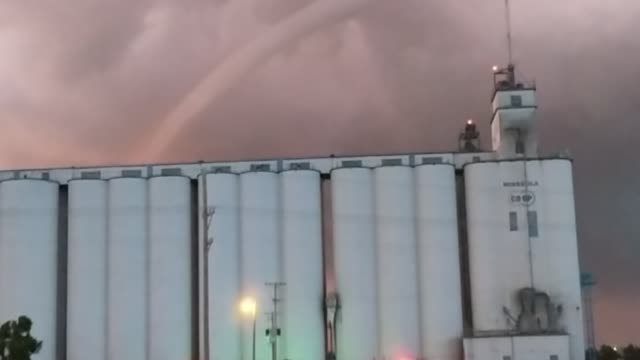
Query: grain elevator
430	256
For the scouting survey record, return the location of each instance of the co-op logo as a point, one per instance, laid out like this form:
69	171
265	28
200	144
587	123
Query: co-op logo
525	198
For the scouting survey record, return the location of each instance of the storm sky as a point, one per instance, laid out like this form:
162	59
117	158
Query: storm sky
87	82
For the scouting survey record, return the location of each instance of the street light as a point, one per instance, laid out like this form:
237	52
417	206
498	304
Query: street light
248	308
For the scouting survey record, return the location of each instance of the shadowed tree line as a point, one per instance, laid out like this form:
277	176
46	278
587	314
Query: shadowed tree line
16	342
606	352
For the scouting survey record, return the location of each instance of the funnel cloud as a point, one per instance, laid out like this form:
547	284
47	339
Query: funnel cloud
238	64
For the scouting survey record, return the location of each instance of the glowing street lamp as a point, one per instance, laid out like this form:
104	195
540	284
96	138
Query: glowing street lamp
248	308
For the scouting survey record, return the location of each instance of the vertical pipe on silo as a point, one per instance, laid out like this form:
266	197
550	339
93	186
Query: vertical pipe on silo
463	243
355	263
87	266
302	327
196	263
169	268
439	262
260	251
397	262
127	257
63	246
224	266
29	257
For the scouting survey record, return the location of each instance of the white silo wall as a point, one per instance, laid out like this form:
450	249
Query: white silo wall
355	263
29	257
127	263
397	262
499	254
169	269
303	324
498	257
260	253
224	266
556	264
438	251
86	272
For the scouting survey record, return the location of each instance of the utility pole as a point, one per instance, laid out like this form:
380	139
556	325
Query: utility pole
274	330
207	216
587	282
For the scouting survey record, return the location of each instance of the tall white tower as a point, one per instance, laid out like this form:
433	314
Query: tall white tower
513	132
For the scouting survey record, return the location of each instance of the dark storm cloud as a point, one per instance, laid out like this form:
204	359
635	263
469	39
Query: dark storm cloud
86	81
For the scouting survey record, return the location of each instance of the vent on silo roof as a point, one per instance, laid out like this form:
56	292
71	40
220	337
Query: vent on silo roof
300	166
352	163
391	162
221	169
431	160
171	172
260	167
90	175
131	173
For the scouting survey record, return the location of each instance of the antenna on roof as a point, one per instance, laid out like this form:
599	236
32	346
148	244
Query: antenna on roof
506	77
507	8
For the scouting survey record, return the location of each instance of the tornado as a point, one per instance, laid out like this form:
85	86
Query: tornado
239	64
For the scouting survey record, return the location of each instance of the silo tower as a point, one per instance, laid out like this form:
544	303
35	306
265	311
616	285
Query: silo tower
514	108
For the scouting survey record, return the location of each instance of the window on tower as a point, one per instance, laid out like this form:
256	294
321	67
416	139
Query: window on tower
519	146
513	221
516	100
